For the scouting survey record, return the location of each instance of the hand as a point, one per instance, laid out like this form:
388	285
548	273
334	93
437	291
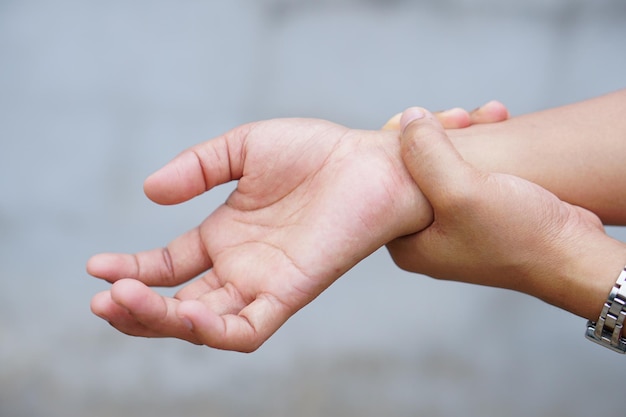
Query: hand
313	199
500	230
458	118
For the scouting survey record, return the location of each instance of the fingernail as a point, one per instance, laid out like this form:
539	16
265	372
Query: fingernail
409	115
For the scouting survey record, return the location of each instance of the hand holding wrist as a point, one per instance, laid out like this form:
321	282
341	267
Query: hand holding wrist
500	230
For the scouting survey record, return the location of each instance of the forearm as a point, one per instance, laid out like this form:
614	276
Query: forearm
577	151
500	230
580	280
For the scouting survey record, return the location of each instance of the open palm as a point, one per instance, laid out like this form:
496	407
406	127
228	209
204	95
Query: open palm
313	199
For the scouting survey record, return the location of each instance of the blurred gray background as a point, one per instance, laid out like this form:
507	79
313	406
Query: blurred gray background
94	96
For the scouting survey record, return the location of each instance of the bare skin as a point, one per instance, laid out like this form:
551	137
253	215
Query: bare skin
501	230
575	151
301	201
314	198
458	118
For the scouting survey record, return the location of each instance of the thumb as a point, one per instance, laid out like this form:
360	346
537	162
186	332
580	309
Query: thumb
430	157
199	168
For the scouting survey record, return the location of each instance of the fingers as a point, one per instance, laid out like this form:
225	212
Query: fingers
199	169
431	158
492	112
243	332
458	118
183	259
393	123
119	317
136	310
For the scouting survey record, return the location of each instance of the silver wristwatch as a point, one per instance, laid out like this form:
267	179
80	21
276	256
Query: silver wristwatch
608	331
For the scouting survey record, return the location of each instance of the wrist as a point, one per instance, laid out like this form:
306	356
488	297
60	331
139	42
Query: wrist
586	277
412	212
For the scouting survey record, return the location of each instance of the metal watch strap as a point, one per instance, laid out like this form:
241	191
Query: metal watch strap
608	331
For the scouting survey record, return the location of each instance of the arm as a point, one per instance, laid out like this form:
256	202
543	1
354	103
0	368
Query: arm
577	151
501	230
313	198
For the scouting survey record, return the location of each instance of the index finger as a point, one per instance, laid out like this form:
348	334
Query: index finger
182	259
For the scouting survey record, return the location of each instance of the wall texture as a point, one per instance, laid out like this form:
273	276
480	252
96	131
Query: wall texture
96	95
